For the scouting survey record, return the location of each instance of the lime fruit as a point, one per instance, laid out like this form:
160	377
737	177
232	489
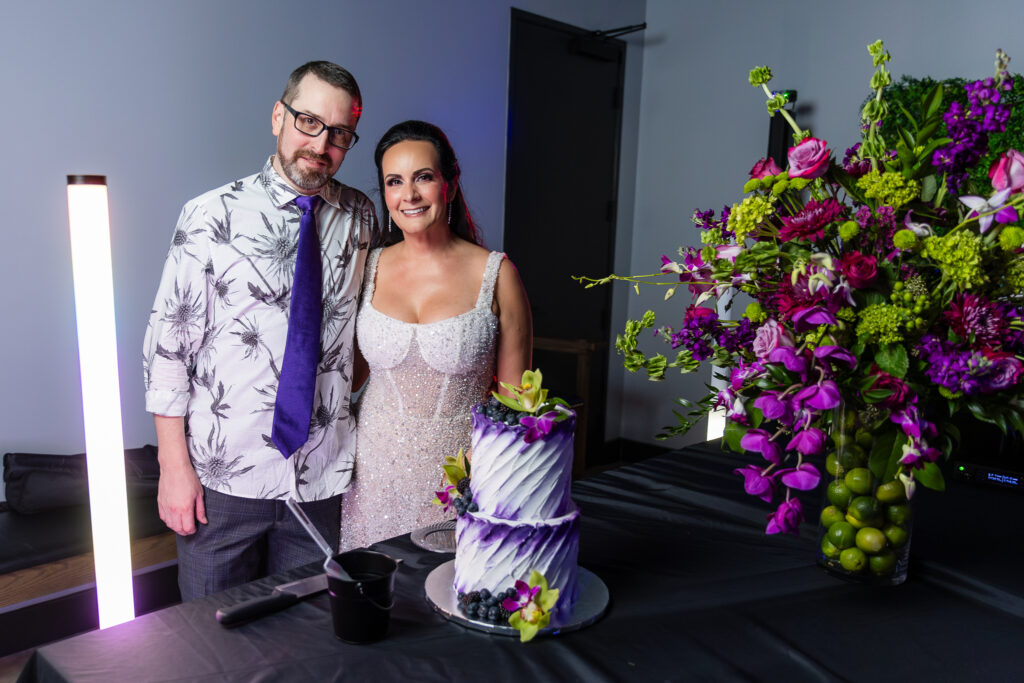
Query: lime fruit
891	492
852	456
897	535
829	550
853	559
883	563
864	438
840	439
865	509
897	514
830	515
842	535
832	465
839	494
870	540
859	480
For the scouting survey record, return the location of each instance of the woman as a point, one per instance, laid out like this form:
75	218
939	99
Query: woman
440	317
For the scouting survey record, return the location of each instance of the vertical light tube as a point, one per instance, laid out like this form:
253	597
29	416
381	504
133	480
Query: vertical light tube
101	401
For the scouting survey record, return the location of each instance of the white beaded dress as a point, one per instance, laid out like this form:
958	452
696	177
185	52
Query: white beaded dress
424	380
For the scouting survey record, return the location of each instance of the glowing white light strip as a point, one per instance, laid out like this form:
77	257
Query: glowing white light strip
101	400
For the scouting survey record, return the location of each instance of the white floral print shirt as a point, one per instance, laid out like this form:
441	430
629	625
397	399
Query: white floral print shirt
216	335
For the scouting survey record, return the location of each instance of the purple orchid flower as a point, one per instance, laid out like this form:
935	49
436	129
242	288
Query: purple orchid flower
808	441
538	427
835	354
788	357
804	476
446	497
760	441
756	483
786	519
808	318
996	203
823	396
773	408
524	596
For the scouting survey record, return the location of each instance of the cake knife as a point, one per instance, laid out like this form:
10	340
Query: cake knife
285	595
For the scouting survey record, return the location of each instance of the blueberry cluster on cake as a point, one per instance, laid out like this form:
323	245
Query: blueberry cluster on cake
517	516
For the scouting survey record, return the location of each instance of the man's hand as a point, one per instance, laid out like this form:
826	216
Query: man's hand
180	499
179	494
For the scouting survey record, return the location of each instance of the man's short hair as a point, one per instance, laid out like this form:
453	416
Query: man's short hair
328	72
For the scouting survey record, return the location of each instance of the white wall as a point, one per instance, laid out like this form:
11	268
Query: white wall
702	126
171	99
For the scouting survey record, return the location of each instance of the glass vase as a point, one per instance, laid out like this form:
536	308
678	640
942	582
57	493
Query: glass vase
866	522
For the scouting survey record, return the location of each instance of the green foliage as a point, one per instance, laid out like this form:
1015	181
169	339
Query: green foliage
905	97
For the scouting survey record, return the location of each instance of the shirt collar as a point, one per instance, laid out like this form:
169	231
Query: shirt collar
281	193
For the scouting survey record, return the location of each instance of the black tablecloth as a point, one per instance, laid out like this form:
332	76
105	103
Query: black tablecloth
698	593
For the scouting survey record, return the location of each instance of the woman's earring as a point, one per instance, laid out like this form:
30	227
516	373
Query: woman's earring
450	211
389	222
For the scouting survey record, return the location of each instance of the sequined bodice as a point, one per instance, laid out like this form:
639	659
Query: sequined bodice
424	380
429	370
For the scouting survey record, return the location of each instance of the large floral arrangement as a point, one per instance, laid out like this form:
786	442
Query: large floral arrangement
887	281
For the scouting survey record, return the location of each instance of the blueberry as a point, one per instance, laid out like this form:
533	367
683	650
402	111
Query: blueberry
492	614
473	507
484	594
478	408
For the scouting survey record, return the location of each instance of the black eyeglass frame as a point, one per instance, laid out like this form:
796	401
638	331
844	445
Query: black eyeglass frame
323	127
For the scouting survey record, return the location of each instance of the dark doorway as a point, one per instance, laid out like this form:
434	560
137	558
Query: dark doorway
564	123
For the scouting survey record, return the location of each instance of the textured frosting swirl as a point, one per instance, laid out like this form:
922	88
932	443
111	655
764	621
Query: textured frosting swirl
515	480
493	553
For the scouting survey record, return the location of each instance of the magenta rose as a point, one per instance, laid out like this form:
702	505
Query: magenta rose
861	271
900	390
1007	172
809	159
765	167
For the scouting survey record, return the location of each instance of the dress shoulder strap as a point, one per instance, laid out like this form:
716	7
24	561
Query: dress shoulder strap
370	274
486	295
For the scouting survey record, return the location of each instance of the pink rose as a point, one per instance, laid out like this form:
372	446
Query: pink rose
765	167
769	337
861	271
1008	172
809	159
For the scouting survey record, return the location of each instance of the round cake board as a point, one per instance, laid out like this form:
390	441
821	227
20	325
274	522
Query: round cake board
590	605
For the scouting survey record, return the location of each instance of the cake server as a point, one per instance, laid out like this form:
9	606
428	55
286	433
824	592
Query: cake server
331	565
285	595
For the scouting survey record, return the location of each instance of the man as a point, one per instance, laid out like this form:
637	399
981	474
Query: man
248	353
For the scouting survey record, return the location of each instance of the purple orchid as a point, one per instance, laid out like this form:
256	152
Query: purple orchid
804	476
756	483
773	407
524	596
760	441
835	354
788	357
808	441
993	208
445	497
808	318
538	427
786	519
823	396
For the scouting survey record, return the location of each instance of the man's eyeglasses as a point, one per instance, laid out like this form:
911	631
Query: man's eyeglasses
342	138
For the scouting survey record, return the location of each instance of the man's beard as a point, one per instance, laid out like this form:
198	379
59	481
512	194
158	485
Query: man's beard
307	180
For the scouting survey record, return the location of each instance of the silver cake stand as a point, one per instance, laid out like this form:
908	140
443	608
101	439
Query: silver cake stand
590	605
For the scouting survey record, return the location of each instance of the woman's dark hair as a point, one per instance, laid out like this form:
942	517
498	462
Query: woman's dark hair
461	223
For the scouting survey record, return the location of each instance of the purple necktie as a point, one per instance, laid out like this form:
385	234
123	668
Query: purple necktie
297	384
